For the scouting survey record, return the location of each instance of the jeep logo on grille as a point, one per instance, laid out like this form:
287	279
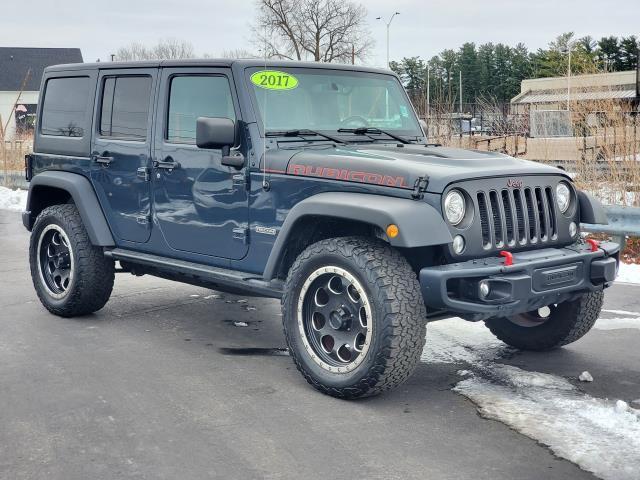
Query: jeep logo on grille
514	183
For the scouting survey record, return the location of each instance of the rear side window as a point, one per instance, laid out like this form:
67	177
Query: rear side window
64	109
125	107
196	96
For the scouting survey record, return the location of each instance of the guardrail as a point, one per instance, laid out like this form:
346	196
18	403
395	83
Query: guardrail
623	221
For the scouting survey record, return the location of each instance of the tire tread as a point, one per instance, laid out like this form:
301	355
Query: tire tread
397	289
94	272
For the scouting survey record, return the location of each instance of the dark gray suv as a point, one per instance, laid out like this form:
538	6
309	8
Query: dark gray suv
310	183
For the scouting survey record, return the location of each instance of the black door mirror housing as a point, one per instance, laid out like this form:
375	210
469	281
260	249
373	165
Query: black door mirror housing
215	132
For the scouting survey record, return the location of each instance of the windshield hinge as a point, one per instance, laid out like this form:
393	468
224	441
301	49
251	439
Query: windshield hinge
420	187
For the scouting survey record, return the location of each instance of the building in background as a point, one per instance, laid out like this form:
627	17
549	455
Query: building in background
553	105
552	93
20	75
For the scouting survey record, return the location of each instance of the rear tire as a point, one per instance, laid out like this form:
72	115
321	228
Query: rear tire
566	323
353	316
71	276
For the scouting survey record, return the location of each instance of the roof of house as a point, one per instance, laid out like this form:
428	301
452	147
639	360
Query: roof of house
17	62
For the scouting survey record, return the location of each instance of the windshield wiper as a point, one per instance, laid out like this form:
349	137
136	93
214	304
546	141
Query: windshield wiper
304	132
367	130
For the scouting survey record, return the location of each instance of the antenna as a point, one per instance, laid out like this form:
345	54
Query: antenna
265	181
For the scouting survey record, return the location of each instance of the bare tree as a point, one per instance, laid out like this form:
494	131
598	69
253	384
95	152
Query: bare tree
238	53
321	30
166	49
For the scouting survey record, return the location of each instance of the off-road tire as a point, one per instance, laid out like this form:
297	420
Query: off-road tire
397	307
568	322
93	273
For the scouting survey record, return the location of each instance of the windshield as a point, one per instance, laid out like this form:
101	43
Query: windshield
331	100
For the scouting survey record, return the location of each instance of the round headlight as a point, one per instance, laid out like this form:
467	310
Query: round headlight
454	207
563	196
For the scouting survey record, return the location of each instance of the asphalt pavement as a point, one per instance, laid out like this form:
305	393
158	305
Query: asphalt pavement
171	381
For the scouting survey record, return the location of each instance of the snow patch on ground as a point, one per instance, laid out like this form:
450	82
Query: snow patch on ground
621	312
599	435
456	341
629	273
617	323
15	200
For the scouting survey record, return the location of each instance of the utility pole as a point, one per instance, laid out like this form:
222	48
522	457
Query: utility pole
428	93
638	79
570	46
461	93
388	26
461	106
569	82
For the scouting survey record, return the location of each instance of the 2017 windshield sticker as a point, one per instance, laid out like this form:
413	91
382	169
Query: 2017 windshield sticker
274	80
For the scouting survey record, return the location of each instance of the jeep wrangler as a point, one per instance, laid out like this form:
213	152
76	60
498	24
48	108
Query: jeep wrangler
313	184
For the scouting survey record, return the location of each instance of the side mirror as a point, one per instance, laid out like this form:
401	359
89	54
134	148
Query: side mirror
215	132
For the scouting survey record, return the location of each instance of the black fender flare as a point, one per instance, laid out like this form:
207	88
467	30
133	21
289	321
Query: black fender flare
591	210
84	197
419	223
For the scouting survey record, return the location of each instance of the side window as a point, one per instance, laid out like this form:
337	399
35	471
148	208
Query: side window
64	109
191	97
125	107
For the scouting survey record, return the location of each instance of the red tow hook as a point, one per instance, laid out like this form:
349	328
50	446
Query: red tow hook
595	244
508	257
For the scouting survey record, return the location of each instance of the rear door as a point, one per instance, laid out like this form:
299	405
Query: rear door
200	205
121	150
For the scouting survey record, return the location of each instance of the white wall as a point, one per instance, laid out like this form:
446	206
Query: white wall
7	100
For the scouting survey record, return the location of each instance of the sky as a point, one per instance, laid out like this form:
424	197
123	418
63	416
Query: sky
423	28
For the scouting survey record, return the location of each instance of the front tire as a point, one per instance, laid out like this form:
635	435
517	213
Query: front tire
563	324
353	316
71	276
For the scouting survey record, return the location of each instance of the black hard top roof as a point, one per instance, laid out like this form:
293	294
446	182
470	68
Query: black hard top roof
243	63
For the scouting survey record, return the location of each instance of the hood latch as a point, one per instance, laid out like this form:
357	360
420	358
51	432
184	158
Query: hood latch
420	187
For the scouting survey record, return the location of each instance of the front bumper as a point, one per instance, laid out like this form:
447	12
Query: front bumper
537	278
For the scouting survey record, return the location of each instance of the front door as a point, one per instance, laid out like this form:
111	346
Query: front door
121	150
200	205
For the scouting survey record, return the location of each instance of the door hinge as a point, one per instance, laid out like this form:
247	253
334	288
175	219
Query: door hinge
420	187
144	173
144	219
239	180
241	233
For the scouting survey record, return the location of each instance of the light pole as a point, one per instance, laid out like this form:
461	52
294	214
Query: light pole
388	25
570	46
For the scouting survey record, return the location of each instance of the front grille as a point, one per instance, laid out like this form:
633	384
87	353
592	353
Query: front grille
518	216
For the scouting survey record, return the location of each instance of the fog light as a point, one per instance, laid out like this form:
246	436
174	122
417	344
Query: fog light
458	244
573	229
484	289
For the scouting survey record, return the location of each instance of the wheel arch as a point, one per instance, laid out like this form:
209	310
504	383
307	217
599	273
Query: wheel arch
322	215
54	188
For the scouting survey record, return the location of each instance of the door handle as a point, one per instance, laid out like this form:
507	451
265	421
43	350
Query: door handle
167	164
103	160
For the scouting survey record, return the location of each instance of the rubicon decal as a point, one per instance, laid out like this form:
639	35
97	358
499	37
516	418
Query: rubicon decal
348	175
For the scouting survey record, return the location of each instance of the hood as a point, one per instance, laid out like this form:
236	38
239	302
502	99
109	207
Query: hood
400	166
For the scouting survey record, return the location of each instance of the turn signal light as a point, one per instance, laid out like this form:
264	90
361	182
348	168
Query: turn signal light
392	231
